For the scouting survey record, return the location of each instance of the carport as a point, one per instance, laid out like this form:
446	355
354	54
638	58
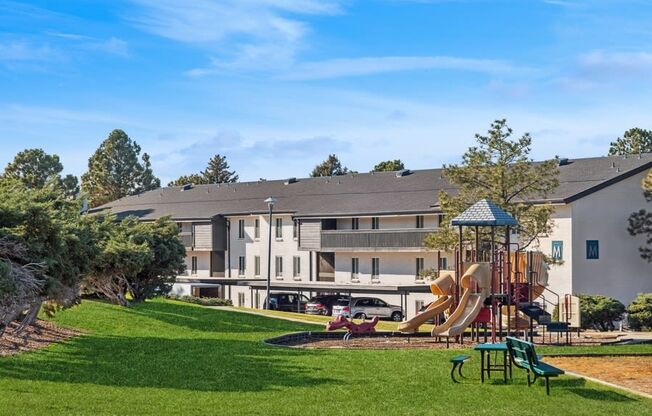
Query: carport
255	286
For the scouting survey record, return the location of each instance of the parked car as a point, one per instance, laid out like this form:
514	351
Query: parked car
362	308
289	302
322	305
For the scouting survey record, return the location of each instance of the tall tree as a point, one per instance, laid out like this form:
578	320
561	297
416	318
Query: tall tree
389	166
193	178
329	167
499	168
115	171
640	223
34	168
634	141
70	186
217	171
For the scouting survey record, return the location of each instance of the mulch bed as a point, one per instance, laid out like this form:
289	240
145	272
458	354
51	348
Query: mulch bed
387	343
38	336
632	372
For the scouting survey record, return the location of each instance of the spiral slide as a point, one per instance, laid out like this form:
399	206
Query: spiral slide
470	304
441	287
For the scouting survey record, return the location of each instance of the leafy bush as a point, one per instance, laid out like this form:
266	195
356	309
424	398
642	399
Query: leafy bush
201	301
600	312
640	312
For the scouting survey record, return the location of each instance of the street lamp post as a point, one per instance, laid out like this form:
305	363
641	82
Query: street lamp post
270	203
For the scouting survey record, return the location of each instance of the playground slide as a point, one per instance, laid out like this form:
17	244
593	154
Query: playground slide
441	287
470	304
433	310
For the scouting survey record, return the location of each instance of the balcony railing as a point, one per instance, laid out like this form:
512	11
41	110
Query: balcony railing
373	239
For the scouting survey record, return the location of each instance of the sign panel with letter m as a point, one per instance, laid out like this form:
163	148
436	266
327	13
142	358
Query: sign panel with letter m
592	250
558	250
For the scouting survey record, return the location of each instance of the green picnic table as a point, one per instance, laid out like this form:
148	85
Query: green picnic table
486	366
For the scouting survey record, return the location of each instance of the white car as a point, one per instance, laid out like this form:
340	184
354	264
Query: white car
363	308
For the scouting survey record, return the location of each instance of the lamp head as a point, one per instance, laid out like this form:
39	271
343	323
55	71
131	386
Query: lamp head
271	201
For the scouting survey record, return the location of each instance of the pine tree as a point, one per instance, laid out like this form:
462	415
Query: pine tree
115	171
389	166
330	167
34	168
634	141
499	168
217	171
194	178
640	222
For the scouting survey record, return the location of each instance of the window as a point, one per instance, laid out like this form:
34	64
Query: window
295	229
241	229
257	265
279	228
241	266
193	265
592	249
379	303
420	221
279	266
355	223
443	263
440	220
375	268
296	267
420	267
180	225
355	268
241	299
375	223
257	229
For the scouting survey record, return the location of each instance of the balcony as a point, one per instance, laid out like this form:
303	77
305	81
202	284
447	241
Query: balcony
374	240
186	239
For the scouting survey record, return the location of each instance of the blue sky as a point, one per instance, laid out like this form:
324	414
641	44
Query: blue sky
277	85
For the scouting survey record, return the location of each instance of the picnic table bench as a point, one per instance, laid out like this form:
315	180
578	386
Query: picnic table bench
523	355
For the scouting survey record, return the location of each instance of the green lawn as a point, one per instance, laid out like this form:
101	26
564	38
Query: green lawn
166	357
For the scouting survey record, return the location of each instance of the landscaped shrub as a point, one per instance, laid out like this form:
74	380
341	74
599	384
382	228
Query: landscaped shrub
201	301
639	313
600	312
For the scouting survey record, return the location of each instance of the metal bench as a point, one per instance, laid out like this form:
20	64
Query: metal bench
524	356
458	360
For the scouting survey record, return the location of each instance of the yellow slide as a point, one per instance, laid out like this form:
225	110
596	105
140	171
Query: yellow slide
441	287
470	303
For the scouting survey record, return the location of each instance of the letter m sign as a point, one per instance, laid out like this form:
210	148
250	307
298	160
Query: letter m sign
558	250
592	250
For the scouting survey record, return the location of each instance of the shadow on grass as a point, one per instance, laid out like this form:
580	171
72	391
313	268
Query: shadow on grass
193	364
210	320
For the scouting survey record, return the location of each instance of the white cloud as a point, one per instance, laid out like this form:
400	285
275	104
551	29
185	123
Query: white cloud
617	64
337	68
240	32
21	50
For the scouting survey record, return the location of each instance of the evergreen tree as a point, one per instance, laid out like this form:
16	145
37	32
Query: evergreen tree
330	167
70	186
498	168
194	178
34	168
115	171
633	142
389	166
217	171
640	223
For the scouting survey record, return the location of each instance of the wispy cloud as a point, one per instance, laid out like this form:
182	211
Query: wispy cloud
240	32
25	51
351	67
617	64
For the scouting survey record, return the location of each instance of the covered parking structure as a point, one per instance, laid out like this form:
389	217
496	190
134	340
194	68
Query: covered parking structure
340	289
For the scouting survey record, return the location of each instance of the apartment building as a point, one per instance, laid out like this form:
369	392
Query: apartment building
364	232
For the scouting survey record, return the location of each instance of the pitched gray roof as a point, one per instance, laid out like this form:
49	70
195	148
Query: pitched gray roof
484	213
359	194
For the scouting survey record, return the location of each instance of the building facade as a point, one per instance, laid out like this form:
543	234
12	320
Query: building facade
367	230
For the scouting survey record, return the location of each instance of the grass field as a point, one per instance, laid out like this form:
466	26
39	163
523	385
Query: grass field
165	357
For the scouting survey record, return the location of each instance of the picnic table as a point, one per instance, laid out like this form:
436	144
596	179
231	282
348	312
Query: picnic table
487	366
